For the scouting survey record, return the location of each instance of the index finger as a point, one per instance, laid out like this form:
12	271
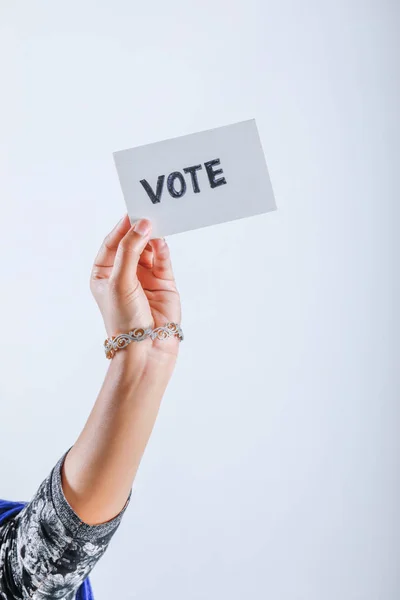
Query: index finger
106	255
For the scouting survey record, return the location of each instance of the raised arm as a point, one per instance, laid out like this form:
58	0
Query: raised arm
133	284
48	549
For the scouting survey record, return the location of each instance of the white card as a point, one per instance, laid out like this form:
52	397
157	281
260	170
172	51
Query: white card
196	180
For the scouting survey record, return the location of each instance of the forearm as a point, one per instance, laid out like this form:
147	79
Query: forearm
99	469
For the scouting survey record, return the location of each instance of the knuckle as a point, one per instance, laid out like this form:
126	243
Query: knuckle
96	273
128	246
93	274
108	243
163	268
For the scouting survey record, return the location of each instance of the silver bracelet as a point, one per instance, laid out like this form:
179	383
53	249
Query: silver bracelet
111	345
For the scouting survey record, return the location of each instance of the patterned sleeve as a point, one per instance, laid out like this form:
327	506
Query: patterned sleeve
46	551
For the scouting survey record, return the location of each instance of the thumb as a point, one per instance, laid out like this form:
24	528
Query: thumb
129	250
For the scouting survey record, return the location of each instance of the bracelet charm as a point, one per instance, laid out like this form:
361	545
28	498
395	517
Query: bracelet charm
121	341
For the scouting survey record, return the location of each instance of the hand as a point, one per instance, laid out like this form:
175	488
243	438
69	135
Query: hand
133	283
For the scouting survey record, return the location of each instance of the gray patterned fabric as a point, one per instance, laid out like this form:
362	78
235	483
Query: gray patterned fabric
46	551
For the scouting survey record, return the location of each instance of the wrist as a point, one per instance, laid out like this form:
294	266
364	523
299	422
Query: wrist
147	359
164	340
138	378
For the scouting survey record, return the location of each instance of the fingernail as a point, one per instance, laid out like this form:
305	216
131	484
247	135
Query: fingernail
142	227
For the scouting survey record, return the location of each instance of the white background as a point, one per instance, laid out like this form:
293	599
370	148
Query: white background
273	468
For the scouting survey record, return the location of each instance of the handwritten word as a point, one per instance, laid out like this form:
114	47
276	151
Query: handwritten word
176	176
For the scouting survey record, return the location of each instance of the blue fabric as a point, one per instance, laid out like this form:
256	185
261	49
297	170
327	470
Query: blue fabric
10	509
